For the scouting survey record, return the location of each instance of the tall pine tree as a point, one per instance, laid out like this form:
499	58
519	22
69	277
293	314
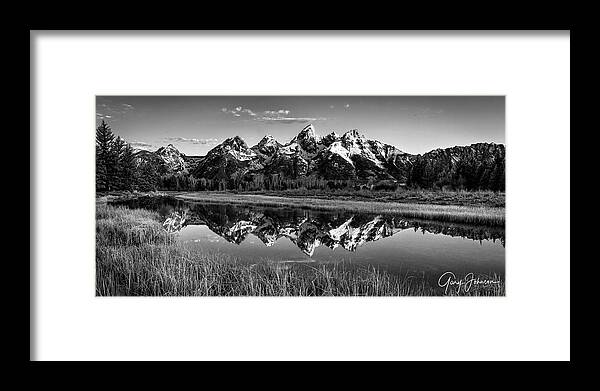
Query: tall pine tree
105	160
117	147
128	168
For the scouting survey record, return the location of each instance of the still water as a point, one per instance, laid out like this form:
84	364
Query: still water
288	235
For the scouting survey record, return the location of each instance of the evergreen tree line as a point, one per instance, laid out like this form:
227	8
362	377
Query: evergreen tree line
464	176
257	182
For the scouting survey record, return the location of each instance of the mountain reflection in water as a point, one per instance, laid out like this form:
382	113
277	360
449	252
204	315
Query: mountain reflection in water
307	229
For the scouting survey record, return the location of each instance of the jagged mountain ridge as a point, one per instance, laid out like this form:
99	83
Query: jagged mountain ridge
165	159
172	158
477	165
349	156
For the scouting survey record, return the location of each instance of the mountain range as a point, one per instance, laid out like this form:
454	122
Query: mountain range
350	156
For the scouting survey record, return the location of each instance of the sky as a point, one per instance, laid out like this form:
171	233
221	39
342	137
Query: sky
196	124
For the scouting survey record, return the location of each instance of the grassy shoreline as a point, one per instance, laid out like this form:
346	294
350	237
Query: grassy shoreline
136	257
464	198
478	215
461	198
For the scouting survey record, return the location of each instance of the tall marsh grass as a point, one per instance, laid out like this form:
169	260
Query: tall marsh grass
135	256
121	226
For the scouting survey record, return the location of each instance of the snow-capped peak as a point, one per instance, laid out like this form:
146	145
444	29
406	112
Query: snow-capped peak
352	134
234	146
267	140
309	129
329	139
171	157
307	133
307	139
236	143
267	145
338	149
170	148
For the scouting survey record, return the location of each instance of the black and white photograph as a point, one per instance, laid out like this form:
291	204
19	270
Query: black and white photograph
300	195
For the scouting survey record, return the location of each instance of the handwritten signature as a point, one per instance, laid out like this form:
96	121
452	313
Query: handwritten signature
448	280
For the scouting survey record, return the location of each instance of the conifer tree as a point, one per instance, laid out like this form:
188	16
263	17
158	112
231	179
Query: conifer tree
105	162
128	168
116	170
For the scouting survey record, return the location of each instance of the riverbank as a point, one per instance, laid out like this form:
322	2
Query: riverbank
466	214
136	257
461	198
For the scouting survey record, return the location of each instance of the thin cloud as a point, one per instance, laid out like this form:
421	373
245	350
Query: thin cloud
101	116
141	145
283	116
280	115
239	111
113	111
291	120
276	112
201	141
